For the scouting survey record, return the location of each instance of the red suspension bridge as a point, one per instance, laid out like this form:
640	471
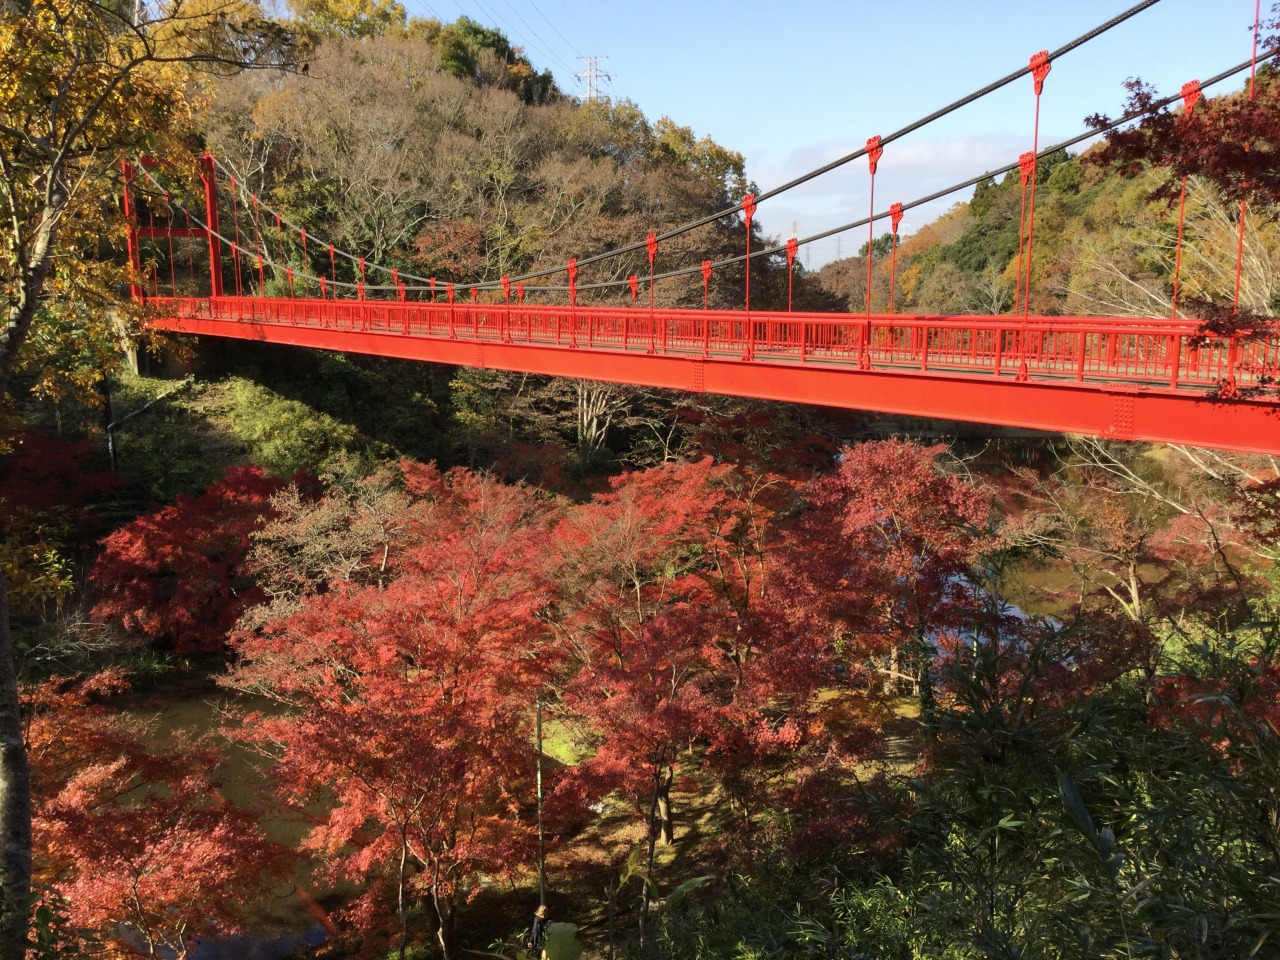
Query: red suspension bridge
1160	379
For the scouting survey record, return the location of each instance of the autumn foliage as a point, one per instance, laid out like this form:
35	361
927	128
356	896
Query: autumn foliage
410	703
177	576
137	840
699	629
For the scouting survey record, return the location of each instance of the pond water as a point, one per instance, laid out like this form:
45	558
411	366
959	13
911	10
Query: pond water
291	918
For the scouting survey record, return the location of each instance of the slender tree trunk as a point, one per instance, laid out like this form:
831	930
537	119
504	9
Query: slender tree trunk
653	840
924	680
659	825
612	893
17	322
444	913
666	823
15	801
400	904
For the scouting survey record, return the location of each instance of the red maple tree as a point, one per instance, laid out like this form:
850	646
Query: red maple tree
178	575
884	553
137	841
412	703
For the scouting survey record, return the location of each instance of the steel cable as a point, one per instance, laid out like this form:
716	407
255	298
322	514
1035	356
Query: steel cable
802	179
491	286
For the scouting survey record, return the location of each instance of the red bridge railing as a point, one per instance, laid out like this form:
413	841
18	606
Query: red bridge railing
1154	354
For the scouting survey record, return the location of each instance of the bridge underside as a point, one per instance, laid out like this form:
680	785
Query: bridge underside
869	379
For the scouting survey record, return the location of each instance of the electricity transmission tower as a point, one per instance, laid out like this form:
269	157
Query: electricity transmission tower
592	77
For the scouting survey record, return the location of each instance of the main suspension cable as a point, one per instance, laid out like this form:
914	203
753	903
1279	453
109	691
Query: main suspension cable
728	261
733	210
835	164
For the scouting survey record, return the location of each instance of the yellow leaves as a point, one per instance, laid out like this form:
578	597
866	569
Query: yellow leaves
351	18
37	574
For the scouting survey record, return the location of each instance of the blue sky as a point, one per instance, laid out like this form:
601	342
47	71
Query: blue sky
792	85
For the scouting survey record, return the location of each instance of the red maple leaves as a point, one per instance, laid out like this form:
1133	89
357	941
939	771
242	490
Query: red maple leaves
138	840
698	622
178	575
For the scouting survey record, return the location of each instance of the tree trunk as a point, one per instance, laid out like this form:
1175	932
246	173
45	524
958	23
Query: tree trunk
924	681
444	933
666	823
659	825
20	316
15	801
653	839
400	892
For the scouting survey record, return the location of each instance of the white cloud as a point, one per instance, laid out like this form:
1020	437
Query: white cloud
907	171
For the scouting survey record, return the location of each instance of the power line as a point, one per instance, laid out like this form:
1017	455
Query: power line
495	19
555	28
535	33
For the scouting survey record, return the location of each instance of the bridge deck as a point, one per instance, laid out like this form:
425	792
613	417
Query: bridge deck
1112	377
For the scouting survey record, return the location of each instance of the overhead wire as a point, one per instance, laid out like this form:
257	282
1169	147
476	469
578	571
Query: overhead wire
496	19
555	28
538	36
